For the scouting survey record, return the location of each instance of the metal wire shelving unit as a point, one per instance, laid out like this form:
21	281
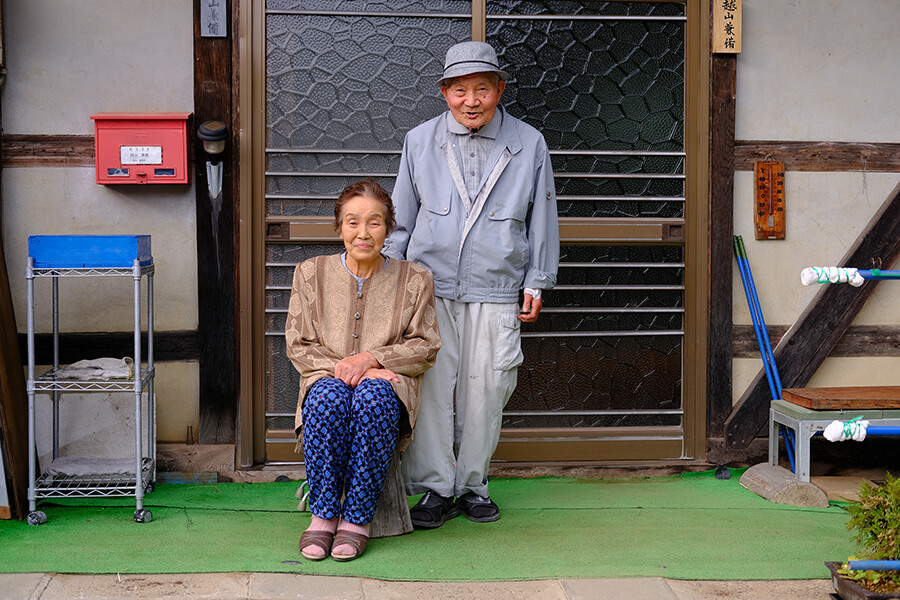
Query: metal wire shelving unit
94	477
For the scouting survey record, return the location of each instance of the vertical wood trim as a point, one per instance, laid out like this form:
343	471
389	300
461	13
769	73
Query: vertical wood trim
237	187
696	219
13	396
246	37
723	73
253	237
215	243
479	20
13	388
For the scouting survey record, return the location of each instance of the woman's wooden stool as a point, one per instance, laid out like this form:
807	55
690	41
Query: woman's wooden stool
392	514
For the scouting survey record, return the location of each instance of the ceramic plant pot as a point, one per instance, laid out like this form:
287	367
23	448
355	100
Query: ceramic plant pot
849	589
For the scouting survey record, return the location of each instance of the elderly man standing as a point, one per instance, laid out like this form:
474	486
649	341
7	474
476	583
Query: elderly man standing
476	205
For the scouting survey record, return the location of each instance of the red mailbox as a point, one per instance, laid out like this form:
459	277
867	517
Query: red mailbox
142	147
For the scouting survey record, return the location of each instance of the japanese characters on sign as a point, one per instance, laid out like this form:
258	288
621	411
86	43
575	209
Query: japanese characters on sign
726	31
213	18
770	200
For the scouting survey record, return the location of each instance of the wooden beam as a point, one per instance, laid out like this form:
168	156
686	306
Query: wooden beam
30	150
213	95
817	331
722	85
48	150
820	156
859	340
167	346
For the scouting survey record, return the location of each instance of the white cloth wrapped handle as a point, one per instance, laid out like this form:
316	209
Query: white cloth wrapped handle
839	431
811	275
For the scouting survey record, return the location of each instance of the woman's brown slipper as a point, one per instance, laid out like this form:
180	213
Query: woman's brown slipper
317	539
349	538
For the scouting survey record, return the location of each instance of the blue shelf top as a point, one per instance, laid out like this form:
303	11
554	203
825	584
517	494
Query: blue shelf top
88	251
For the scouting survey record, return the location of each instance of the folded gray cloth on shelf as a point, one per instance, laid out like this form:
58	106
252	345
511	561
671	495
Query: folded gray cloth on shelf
75	466
98	369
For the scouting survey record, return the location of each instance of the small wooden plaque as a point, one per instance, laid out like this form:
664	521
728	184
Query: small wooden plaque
844	398
770	201
726	27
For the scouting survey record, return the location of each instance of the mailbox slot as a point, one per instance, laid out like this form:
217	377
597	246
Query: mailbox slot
141	147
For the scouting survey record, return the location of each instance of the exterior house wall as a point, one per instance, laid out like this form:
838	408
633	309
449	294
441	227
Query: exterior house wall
66	62
816	70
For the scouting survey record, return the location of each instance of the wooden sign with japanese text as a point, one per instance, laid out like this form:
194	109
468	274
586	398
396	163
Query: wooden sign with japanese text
726	26
770	205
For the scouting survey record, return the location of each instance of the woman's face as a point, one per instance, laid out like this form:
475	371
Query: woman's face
363	228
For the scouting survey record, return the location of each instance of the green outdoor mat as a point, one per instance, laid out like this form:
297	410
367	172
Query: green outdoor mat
690	527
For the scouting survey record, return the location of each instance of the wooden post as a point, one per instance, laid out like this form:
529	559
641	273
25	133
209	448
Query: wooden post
215	240
722	87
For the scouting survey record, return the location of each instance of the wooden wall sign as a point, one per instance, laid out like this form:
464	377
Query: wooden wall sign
726	27
769	206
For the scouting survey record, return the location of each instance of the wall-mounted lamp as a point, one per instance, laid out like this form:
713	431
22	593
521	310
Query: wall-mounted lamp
213	135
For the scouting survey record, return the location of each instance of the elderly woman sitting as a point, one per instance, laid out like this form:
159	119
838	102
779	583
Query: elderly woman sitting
361	330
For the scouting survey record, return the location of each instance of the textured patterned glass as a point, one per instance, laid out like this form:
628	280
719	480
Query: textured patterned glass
600	85
580	375
353	81
594	84
607	93
282	379
623	305
406	6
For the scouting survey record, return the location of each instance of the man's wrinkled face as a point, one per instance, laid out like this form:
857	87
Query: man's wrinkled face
473	99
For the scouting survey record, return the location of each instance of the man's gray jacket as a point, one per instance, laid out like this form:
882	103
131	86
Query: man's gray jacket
510	240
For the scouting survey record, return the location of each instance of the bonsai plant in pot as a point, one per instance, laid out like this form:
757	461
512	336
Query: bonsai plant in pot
875	521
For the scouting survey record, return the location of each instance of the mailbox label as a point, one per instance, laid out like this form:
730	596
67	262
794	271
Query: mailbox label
140	155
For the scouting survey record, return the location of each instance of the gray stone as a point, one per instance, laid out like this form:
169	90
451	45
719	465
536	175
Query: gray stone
19	586
195	586
645	588
275	586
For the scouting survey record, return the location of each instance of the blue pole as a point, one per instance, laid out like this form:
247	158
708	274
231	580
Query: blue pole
875	430
788	446
882	430
874	565
879	274
744	271
762	322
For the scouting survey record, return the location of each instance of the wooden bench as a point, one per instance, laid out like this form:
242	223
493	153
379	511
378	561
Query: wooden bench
808	411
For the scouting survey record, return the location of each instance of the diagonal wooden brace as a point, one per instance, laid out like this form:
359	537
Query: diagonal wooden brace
816	332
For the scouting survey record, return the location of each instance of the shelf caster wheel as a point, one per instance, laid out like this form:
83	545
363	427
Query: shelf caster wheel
143	516
149	488
36	518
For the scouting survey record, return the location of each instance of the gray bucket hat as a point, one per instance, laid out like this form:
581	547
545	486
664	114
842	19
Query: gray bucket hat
466	58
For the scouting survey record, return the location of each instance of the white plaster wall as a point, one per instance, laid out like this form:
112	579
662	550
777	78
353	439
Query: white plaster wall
68	60
823	70
67	201
816	70
102	425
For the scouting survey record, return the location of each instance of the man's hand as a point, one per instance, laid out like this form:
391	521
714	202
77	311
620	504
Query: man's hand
352	370
531	308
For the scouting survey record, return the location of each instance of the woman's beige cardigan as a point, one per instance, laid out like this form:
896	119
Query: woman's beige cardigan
393	318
